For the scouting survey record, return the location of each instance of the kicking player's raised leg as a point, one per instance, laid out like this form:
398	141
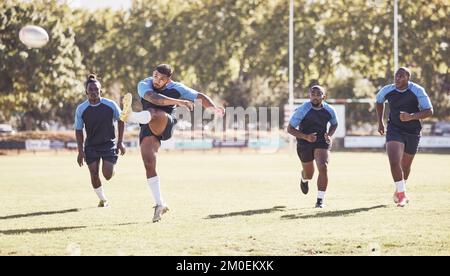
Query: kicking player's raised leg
322	157
127	114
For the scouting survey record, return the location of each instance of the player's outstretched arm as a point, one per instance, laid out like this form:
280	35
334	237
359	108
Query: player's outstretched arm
208	103
162	100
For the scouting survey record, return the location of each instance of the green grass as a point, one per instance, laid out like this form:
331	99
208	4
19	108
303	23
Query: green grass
223	204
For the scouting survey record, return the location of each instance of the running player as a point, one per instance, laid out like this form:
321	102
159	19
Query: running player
97	116
309	125
408	104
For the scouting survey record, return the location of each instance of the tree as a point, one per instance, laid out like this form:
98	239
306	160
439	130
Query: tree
38	84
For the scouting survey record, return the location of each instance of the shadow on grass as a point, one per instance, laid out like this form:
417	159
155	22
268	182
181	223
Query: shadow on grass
36	214
249	212
333	213
39	230
57	229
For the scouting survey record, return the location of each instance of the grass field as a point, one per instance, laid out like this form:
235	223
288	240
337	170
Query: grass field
223	204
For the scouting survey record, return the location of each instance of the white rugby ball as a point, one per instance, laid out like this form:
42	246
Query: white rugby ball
33	36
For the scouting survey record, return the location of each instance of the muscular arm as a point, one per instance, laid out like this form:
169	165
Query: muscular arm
80	138
422	114
121	127
332	129
380	112
295	132
406	117
206	101
159	99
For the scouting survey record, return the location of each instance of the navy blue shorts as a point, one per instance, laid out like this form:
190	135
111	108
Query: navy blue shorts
167	133
306	151
94	154
411	141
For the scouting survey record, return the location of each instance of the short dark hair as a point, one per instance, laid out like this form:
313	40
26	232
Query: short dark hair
406	70
91	78
165	69
318	87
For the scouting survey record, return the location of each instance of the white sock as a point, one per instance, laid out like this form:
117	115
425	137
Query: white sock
321	194
401	186
154	185
143	117
303	179
100	193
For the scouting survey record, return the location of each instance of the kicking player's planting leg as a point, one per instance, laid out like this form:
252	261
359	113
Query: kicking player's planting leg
149	149
322	157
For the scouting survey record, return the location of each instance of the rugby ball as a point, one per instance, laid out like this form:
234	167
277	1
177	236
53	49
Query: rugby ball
33	36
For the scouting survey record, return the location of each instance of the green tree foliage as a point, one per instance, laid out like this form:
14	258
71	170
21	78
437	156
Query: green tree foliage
235	50
38	85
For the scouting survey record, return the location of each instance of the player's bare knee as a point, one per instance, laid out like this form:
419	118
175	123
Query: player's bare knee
309	175
108	175
322	167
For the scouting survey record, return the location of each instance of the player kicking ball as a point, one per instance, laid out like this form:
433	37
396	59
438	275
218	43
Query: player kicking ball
97	115
159	97
309	125
408	104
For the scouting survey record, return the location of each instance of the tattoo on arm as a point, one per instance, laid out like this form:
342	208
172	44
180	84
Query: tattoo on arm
159	99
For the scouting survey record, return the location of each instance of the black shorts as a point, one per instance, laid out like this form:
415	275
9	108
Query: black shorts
306	151
167	133
411	141
94	154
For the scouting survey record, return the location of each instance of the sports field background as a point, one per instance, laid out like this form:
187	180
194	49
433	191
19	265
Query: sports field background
223	204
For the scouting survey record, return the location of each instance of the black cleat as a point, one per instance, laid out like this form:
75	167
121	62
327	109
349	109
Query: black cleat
319	203
304	186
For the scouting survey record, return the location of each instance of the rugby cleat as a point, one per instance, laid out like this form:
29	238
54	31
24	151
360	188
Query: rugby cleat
319	203
402	199
103	204
304	186
159	211
126	102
